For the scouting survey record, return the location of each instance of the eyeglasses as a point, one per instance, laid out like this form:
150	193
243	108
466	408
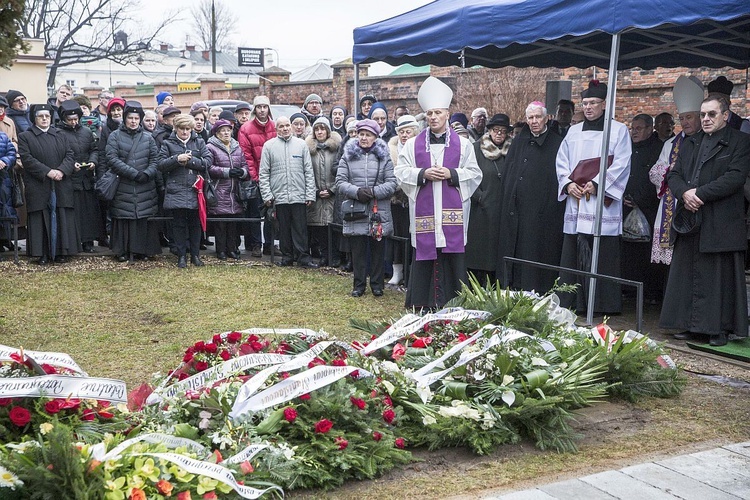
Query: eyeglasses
588	104
711	114
499	131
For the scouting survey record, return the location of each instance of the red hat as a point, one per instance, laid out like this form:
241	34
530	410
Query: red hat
115	100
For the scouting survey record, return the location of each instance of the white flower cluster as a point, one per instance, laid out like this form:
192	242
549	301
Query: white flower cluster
461	409
8	479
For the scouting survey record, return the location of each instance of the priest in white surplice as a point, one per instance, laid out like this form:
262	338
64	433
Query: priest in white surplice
584	142
438	171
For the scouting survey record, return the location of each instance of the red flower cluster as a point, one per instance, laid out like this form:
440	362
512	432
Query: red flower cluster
341	443
359	403
323	426
389	416
290	414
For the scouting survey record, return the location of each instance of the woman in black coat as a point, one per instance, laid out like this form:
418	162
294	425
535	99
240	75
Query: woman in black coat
183	156
85	156
112	123
132	155
48	165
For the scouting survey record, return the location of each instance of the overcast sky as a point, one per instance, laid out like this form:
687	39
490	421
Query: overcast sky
302	31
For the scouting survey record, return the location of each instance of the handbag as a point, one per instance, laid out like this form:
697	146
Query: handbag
106	185
352	210
209	193
17	190
248	190
636	228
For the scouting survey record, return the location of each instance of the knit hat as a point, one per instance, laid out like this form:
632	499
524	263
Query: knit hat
298	115
260	100
322	121
3	102
171	110
352	126
198	105
228	116
115	101
220	123
12	95
367	97
69	107
136	107
243	105
377	105
596	89
478	112
460	118
406	121
310	98
499	120
721	86
434	94
369	125
161	96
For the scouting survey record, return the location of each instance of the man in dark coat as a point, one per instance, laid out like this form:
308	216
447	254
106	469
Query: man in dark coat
18	110
484	230
639	192
706	291
531	217
48	166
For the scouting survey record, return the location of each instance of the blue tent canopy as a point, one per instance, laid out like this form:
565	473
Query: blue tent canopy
562	33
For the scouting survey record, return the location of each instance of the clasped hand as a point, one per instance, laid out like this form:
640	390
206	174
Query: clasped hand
183	158
55	175
578	192
691	200
437	173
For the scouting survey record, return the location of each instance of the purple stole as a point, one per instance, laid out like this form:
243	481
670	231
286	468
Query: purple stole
452	216
667	200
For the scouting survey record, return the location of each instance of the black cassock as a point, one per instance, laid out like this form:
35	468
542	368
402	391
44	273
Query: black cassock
531	218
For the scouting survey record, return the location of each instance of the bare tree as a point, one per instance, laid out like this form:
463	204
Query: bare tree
226	24
85	31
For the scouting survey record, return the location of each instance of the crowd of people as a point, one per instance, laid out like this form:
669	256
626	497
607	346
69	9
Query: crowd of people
424	198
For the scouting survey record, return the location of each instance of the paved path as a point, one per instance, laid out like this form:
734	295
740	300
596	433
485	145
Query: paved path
718	474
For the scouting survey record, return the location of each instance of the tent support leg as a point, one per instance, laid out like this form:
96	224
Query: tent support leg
609	113
355	104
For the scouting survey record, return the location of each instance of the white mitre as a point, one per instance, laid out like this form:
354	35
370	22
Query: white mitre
434	94
688	94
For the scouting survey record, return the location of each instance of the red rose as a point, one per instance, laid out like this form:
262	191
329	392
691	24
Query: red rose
201	365
5	401
398	352
354	374
422	342
323	426
188	357
338	362
234	337
199	346
359	403
376	436
49	369
290	414
315	362
19	416
257	346
305	397
182	376
387	402
53	406
88	415
252	338
225	355
341	443
211	348
217	339
209	496
389	416
400	443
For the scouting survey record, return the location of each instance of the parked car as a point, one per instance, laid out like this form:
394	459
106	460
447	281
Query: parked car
276	109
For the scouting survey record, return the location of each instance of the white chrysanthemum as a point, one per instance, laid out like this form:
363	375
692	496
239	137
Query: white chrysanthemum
8	479
390	366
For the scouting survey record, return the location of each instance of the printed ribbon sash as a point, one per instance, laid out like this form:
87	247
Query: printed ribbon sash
57	359
451	214
62	386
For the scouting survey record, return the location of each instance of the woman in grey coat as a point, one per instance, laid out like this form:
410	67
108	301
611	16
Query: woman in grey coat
365	174
131	153
182	157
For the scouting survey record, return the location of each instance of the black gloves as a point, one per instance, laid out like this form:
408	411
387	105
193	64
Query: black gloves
236	172
364	195
141	178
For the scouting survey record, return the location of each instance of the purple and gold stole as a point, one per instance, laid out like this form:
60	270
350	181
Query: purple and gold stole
668	200
452	216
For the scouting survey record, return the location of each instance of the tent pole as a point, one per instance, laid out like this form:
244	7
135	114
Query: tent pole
609	114
356	90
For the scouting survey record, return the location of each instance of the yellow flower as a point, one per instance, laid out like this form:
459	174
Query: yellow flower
206	484
181	474
45	428
147	468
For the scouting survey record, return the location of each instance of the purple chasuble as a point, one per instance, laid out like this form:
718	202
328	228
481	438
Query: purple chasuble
452	216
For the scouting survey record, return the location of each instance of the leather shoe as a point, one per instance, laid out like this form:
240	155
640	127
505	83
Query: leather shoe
182	262
221	255
310	265
357	293
234	255
684	336
196	261
43	260
377	292
61	259
256	252
718	340
103	242
276	250
122	258
347	268
88	247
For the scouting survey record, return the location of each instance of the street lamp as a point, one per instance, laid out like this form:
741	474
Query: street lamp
178	69
278	61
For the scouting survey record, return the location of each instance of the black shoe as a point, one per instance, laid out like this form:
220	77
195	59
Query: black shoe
257	252
284	263
122	258
377	292
276	250
685	336
347	268
88	247
196	261
164	242
221	255
310	265
103	242
203	247
61	259
207	242
718	340
234	255
43	260
144	258
323	263
357	293
182	262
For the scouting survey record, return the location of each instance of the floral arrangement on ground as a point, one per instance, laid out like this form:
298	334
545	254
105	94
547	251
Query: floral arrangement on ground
256	412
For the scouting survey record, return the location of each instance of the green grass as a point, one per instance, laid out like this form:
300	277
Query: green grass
128	323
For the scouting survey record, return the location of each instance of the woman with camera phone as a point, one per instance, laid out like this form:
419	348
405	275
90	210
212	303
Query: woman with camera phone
366	180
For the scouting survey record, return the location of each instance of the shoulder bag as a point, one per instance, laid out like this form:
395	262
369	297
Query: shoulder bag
106	185
352	210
